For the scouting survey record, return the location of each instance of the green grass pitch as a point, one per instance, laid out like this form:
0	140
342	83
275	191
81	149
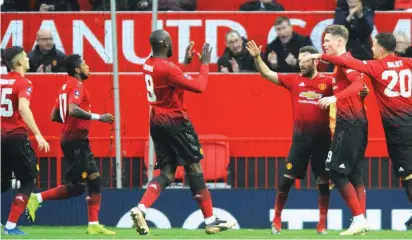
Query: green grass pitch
42	232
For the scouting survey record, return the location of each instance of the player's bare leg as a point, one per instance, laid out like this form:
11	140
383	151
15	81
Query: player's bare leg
407	183
154	188
323	203
202	196
346	189
281	197
94	186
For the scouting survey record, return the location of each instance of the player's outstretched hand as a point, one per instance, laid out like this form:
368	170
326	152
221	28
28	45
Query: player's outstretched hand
326	101
107	118
189	53
206	54
42	143
253	49
312	57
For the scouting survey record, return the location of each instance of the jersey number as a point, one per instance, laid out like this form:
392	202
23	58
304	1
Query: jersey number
63	106
6	111
151	96
404	77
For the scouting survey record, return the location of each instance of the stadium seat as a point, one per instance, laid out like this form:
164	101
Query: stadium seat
216	156
180	171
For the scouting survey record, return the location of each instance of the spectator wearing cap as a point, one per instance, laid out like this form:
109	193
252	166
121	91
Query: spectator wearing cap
45	57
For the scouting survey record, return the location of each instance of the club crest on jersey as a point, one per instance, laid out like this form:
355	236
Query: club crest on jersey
322	86
310	95
29	90
76	94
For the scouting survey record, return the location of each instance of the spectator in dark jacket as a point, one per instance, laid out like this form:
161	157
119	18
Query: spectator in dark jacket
358	19
15	6
57	5
236	58
145	5
282	53
261	5
45	57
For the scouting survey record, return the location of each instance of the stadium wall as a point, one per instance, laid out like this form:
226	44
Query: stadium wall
89	33
387	209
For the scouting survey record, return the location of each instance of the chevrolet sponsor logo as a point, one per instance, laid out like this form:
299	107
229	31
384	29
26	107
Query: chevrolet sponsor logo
311	95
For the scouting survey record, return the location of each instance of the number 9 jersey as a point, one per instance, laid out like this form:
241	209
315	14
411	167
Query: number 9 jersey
73	92
13	87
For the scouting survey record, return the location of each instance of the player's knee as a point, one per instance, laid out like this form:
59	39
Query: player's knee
355	179
94	185
76	189
339	179
163	180
169	171
324	189
286	184
93	176
5	185
194	168
322	180
26	186
196	182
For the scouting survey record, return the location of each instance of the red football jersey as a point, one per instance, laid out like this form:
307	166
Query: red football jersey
392	83
73	92
308	117
13	87
351	109
165	84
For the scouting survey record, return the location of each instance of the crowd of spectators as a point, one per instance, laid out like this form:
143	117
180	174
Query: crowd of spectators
280	54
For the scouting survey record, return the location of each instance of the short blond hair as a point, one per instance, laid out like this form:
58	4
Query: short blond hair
338	30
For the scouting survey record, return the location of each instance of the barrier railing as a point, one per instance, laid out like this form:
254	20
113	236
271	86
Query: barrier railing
229	163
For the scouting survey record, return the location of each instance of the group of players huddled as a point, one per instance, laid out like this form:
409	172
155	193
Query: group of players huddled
335	155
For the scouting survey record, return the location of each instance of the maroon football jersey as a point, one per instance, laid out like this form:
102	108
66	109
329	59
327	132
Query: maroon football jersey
349	110
73	92
392	83
13	87
165	84
308	117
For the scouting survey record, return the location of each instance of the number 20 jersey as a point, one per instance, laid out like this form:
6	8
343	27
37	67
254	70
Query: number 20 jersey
73	92
13	87
392	84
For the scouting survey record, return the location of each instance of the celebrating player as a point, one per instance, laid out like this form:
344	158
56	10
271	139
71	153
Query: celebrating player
73	110
392	81
346	157
311	133
175	141
17	154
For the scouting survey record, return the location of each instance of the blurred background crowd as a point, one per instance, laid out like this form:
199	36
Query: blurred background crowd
280	54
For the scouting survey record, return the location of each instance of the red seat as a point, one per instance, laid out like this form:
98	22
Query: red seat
216	156
180	171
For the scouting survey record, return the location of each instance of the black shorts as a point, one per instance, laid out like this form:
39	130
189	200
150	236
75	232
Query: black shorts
177	144
18	156
305	148
399	143
79	160
347	151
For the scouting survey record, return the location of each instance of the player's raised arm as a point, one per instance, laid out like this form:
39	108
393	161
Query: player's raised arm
197	85
346	62
261	66
27	116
